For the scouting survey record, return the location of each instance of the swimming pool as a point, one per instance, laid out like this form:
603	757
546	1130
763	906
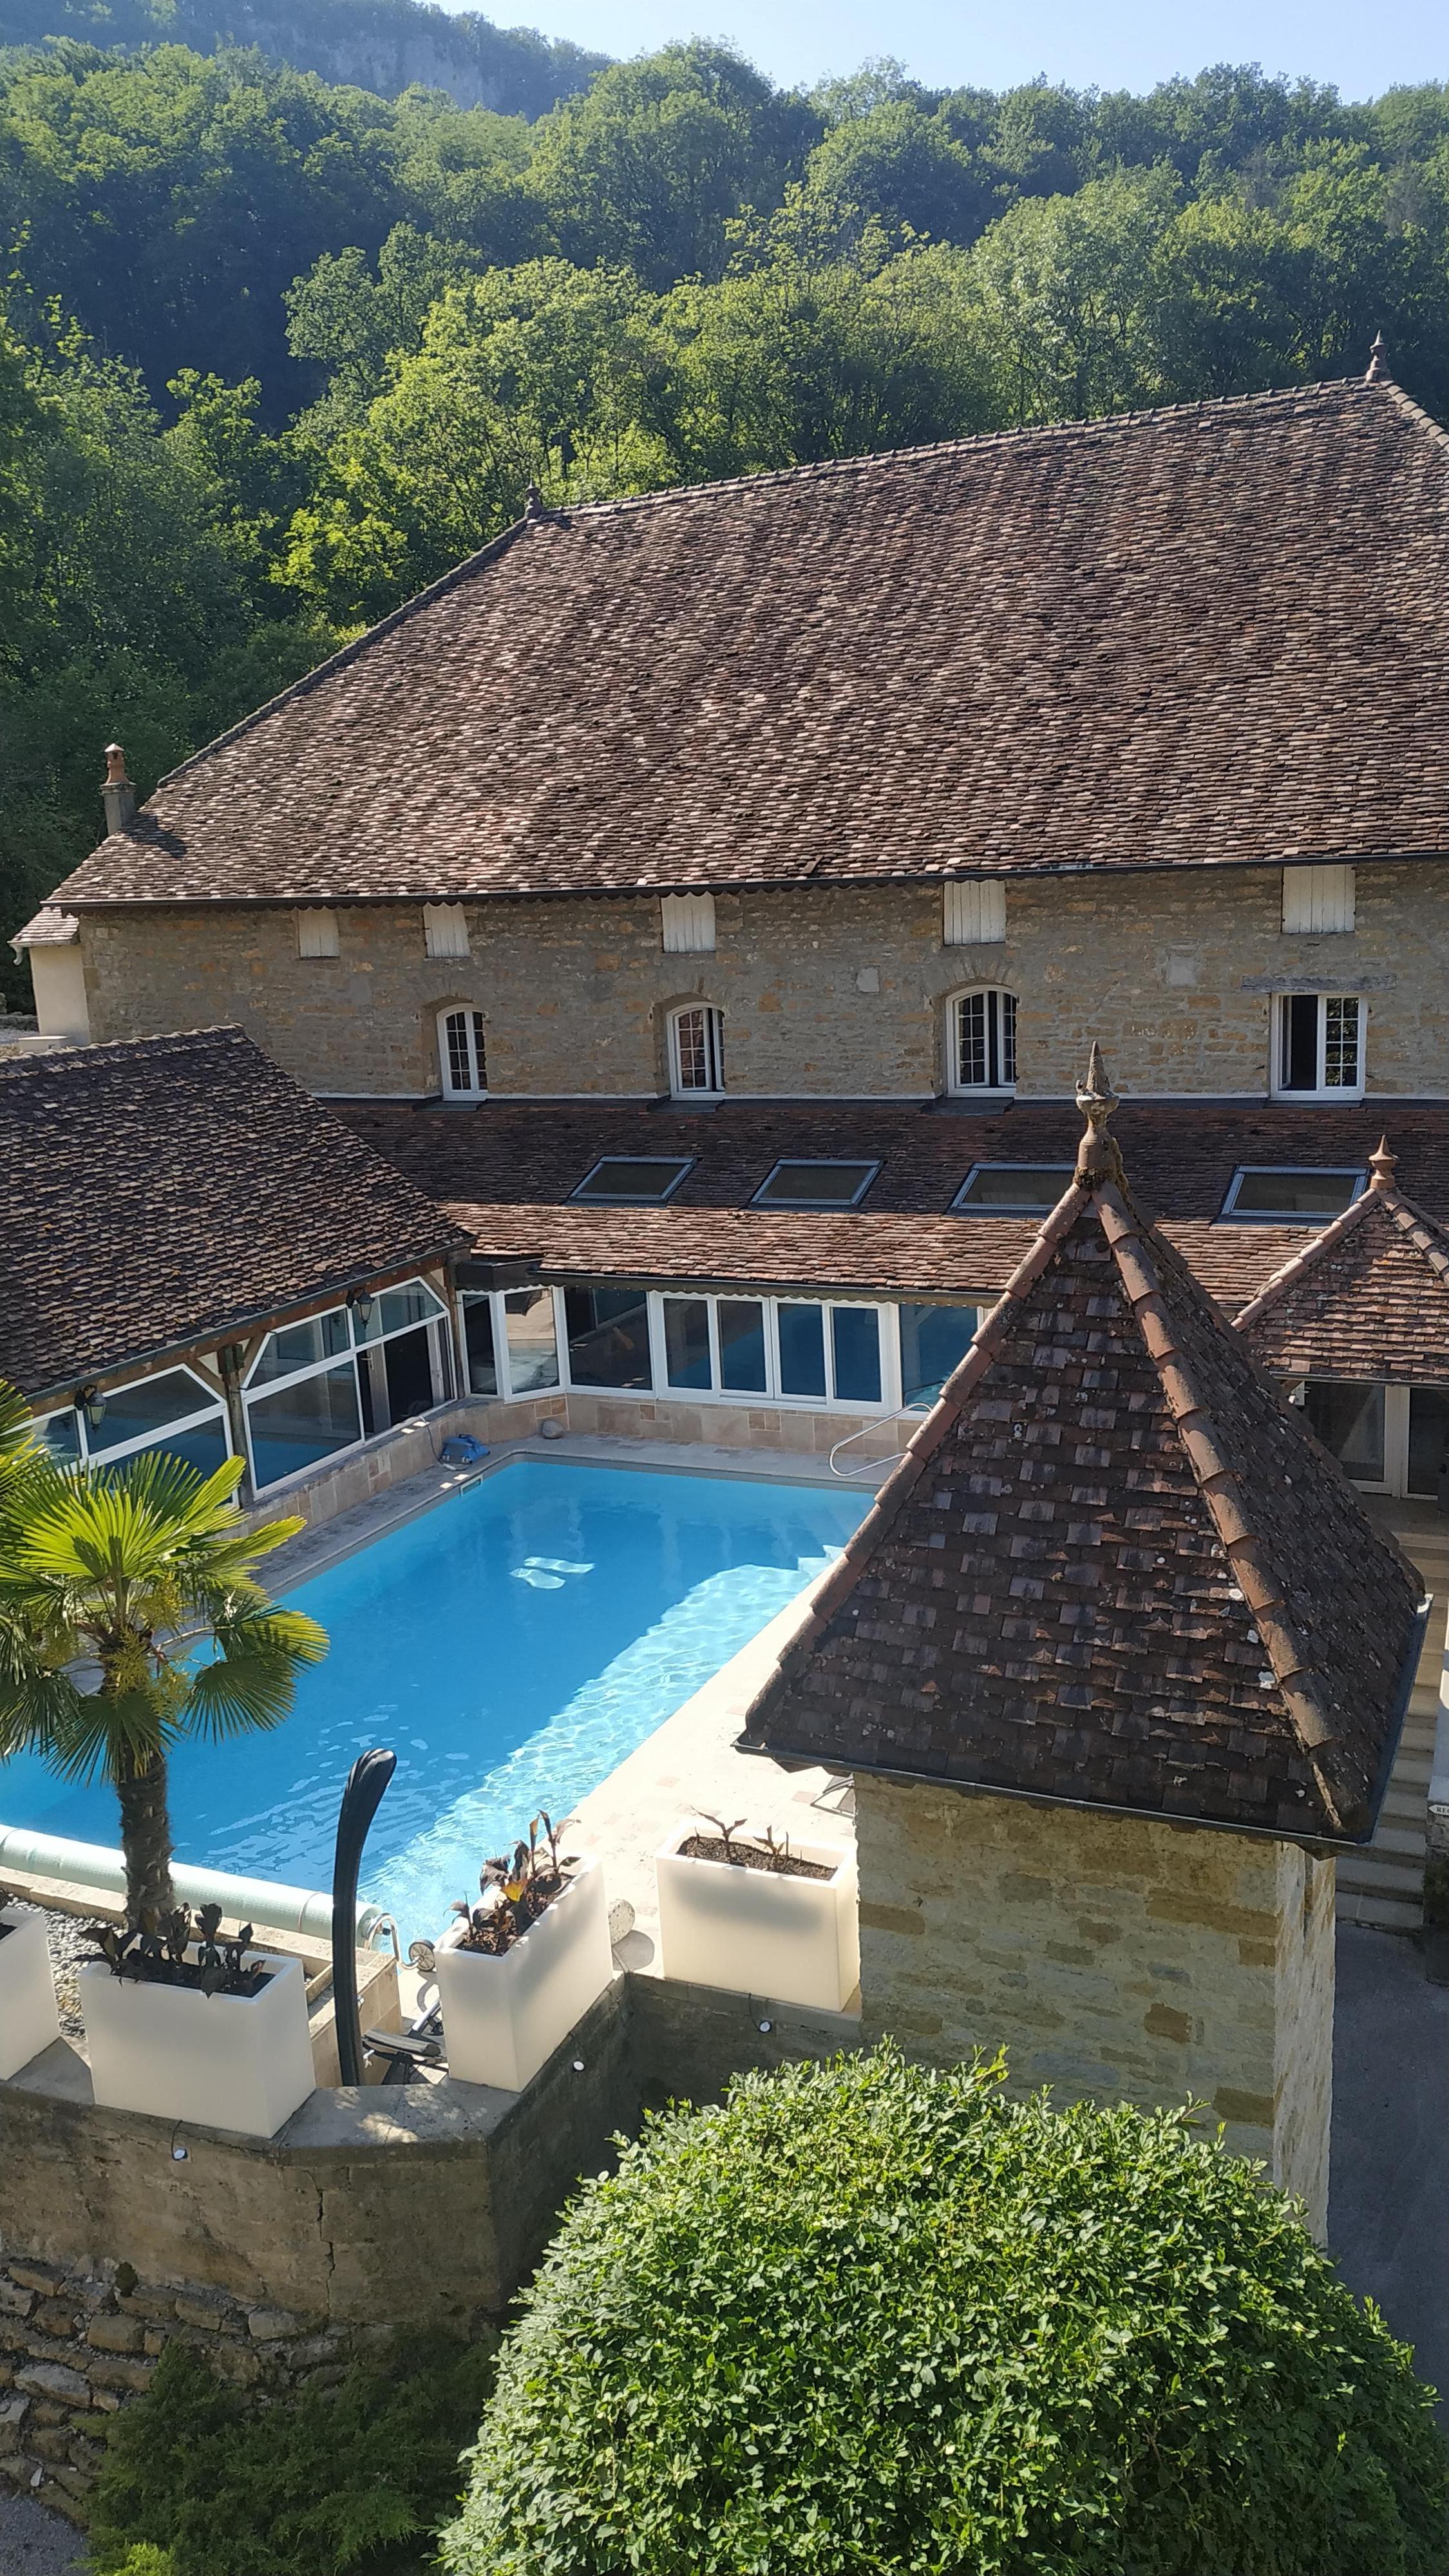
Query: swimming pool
511	1646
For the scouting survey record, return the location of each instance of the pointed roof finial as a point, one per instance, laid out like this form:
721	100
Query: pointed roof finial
1383	1166
533	502
1378	365
1098	1155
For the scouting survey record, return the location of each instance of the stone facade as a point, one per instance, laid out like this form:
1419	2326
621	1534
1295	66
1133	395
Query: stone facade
834	992
1112	1957
76	2344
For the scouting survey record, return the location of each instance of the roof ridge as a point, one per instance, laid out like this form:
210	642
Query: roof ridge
1402	1212
110	1049
1130	1241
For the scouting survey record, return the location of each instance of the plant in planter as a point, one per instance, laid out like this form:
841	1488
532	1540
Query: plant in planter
516	1971
187	2026
759	1915
28	2017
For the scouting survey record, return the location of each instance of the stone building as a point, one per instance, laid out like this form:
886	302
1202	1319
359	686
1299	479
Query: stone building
1118	1663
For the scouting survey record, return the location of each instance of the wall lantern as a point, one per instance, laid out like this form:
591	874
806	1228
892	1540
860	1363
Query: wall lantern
361	1302
92	1404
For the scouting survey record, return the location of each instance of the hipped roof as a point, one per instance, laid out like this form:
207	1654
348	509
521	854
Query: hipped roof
1368	1297
1113	1567
1209	635
170	1191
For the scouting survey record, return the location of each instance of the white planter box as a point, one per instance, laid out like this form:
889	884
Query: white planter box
28	2017
794	1940
240	2062
503	2017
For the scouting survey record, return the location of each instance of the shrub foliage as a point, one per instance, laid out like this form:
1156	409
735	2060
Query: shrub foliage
868	2317
201	2481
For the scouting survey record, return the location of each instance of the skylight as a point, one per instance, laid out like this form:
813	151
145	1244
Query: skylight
1289	1194
815	1185
1011	1189
633	1180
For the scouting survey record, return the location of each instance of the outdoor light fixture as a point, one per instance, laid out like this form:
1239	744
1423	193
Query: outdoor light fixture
361	1302
92	1404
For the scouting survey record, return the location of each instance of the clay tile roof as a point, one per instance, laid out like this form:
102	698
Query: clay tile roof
1368	1297
1212	634
1113	1567
170	1190
48	928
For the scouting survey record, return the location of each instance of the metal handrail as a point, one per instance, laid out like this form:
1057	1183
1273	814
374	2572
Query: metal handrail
879	1424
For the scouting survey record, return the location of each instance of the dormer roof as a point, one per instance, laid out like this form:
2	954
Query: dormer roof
1367	1297
1113	1568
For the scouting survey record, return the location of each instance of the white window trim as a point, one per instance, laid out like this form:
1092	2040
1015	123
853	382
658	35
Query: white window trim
317	933
958	1089
445	930
254	1391
1318	899
678	1089
973	912
507	1392
686	925
469	1013
1339	1091
212	1411
1354	1172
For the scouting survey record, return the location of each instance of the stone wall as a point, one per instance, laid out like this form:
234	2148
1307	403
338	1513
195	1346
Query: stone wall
76	2344
1111	1956
826	991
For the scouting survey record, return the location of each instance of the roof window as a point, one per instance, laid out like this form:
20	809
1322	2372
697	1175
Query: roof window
1011	1189
633	1180
1289	1194
815	1185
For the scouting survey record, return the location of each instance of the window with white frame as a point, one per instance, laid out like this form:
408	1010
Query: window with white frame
981	1040
328	1381
696	1051
445	930
934	1342
686	924
461	1055
789	1349
1391	1439
973	912
510	1341
178	1411
317	933
1318	1045
1318	898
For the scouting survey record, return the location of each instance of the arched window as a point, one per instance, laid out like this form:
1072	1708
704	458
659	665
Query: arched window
460	1053
696	1049
981	1040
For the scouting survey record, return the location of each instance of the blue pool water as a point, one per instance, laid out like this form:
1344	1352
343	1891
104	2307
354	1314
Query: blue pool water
511	1646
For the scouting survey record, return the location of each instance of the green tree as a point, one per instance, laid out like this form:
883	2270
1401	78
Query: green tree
906	170
648	169
875	2316
124	1569
1061	286
546	374
348	323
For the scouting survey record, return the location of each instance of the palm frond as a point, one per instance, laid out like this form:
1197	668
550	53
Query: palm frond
110	1735
250	1686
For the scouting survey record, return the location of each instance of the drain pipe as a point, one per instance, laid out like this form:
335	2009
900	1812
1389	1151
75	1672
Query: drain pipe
361	1798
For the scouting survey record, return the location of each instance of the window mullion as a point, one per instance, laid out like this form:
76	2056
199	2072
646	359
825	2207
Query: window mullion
712	1306
1323	1041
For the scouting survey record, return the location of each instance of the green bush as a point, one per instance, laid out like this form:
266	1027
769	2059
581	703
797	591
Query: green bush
201	2481
871	2318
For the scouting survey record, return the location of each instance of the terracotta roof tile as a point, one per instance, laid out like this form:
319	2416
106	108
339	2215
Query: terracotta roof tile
1179	638
170	1190
504	1173
1113	1567
1368	1296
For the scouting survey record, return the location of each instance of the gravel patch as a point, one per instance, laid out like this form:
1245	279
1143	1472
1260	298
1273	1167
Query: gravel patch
68	1955
36	2542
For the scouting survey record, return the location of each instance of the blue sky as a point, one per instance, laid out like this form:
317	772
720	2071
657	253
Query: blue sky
1360	46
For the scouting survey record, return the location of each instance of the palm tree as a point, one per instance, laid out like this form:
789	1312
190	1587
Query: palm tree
130	1574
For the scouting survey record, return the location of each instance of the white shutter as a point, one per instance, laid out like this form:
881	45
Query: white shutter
687	921
1318	898
317	934
975	912
445	930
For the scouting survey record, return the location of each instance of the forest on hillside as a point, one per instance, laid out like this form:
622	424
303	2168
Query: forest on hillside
274	353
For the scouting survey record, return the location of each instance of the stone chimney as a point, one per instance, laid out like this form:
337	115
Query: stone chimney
117	792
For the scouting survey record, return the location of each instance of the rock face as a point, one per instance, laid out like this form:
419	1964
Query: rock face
59	2384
